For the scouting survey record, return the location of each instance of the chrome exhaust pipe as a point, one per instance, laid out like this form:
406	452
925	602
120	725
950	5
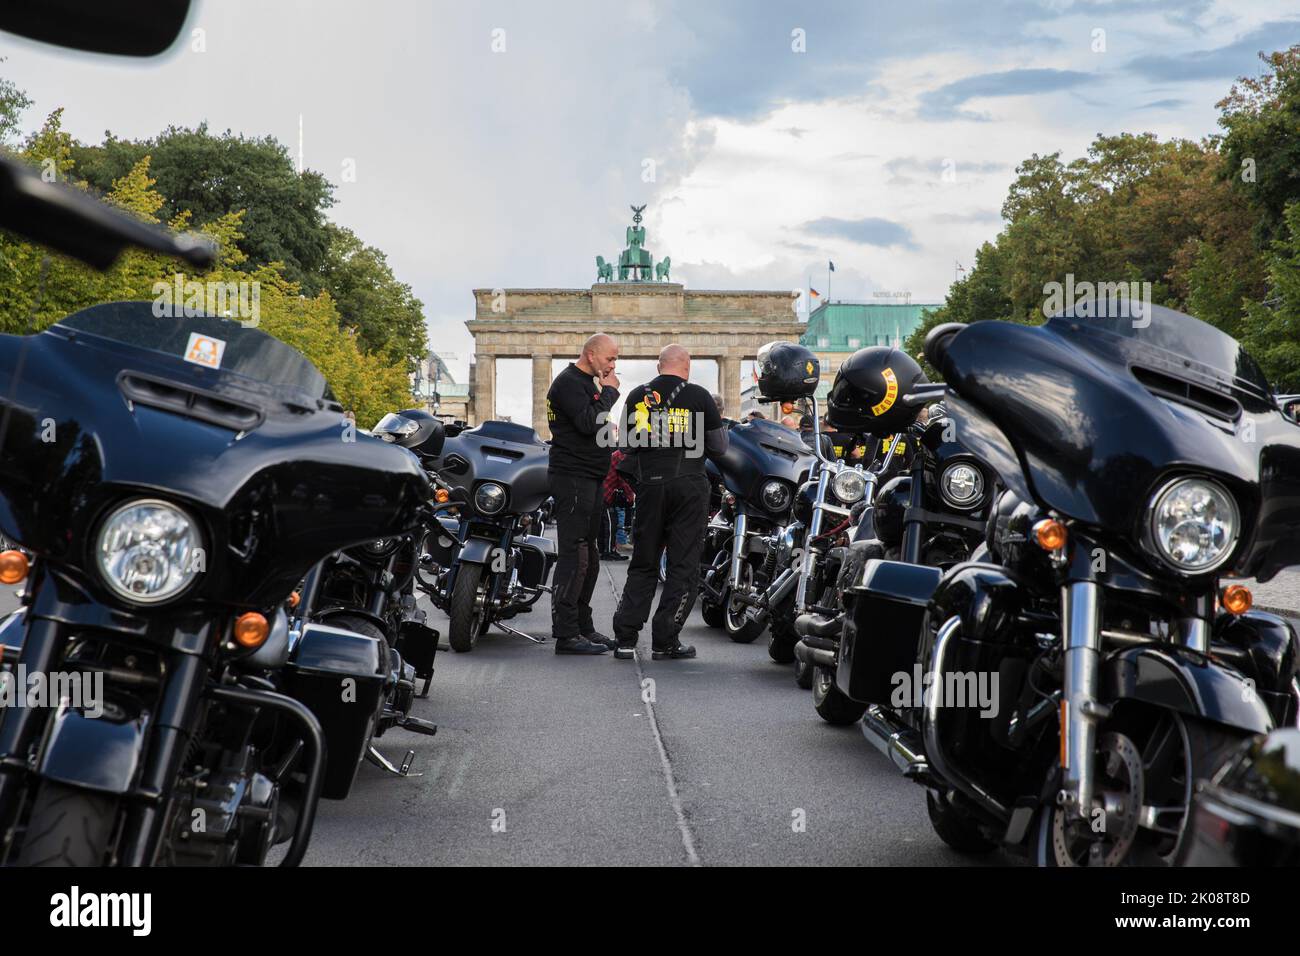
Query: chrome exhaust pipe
895	739
817	656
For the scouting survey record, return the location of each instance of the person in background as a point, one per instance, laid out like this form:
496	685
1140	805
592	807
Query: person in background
789	421
577	409
618	502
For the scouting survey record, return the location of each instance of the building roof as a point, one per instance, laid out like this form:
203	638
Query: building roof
849	326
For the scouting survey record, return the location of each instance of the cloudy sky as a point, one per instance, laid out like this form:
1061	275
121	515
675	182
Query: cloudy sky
500	144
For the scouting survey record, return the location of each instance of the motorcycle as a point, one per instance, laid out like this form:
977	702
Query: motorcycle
935	515
1065	696
493	560
175	480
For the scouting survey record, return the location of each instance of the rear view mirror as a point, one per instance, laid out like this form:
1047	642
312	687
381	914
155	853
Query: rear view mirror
121	27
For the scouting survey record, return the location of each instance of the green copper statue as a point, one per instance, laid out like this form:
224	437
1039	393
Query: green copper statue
604	270
635	258
661	270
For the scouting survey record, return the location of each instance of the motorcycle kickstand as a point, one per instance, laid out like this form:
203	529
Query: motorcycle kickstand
518	633
383	763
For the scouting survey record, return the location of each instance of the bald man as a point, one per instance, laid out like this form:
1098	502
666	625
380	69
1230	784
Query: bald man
577	408
671	427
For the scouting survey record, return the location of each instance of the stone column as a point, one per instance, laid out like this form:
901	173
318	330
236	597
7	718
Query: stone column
729	384
541	384
485	387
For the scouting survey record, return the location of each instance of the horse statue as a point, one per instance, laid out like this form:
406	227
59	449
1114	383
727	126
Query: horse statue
662	267
604	270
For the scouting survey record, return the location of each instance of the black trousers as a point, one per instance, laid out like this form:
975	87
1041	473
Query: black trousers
579	504
669	514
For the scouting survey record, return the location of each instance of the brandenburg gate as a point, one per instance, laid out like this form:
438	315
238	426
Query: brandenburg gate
642	312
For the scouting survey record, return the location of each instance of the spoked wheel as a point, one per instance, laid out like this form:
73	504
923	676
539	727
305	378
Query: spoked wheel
832	706
1145	778
468	612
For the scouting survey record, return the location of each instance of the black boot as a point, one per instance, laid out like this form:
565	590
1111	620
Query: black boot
675	653
578	645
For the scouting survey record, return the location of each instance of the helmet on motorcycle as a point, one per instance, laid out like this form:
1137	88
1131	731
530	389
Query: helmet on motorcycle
412	428
867	393
787	371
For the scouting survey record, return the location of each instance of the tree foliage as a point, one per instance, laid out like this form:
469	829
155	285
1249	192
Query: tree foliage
1211	225
368	377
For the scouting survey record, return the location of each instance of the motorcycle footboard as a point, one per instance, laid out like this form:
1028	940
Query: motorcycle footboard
882	631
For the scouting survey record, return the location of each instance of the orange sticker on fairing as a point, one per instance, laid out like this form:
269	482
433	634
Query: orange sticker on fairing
891	394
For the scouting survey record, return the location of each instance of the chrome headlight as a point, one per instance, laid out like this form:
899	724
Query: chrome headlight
1194	524
489	498
775	495
849	486
962	485
149	551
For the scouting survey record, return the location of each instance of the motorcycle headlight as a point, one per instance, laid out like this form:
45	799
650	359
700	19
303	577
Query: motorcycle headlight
489	498
149	551
1194	524
775	495
395	428
962	485
849	486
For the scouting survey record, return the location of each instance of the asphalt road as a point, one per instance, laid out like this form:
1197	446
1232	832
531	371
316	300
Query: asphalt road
567	755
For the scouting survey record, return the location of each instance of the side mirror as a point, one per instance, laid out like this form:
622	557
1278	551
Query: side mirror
137	28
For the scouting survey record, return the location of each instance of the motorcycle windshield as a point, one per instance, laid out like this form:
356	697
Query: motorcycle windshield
206	342
114	403
1097	412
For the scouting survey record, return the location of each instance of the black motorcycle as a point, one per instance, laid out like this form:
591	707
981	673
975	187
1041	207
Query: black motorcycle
936	515
491	561
176	479
1067	695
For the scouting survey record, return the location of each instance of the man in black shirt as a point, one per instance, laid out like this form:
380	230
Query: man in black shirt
577	409
671	425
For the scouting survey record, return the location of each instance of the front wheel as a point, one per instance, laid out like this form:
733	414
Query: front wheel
1146	774
739	626
468	613
782	637
803	673
832	705
68	826
955	828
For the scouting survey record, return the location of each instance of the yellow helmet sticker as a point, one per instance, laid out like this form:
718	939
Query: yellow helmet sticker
891	394
810	368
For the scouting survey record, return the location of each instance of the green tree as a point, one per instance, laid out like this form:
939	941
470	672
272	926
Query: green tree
386	315
1272	327
13	102
209	176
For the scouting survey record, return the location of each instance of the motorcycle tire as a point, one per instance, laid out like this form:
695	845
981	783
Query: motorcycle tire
803	674
832	706
782	637
1207	746
746	633
68	826
955	828
465	625
712	613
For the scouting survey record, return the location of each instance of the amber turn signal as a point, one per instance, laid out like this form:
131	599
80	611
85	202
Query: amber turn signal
251	629
294	598
1237	599
442	496
787	408
13	567
1050	534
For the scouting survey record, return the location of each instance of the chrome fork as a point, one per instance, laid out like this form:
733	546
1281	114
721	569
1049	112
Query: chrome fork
737	549
1081	619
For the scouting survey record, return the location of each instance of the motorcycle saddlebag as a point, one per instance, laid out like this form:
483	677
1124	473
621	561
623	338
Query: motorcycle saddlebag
536	557
883	628
339	675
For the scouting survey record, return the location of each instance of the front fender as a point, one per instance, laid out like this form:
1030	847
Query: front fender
1178	679
476	551
97	753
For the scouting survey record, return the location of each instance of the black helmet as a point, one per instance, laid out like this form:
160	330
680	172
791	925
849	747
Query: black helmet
787	371
867	393
412	428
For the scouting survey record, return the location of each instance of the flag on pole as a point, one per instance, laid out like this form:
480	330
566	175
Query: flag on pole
831	264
